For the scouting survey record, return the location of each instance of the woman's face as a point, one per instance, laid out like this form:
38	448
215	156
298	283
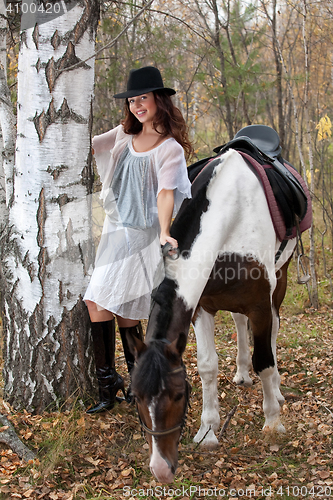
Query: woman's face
143	107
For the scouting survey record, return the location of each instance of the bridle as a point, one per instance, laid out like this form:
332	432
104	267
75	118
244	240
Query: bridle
187	404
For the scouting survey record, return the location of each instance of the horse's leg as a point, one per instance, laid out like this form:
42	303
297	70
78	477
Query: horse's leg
208	369
278	296
243	359
276	375
264	364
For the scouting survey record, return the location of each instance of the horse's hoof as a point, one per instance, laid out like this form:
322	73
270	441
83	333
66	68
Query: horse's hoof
209	443
274	427
242	380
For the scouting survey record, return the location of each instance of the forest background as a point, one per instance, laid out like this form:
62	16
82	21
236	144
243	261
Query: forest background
233	64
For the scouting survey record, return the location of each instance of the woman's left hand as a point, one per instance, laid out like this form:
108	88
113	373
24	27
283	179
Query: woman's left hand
168	239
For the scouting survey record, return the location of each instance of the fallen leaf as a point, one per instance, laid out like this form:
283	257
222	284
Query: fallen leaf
324	474
127	472
28	493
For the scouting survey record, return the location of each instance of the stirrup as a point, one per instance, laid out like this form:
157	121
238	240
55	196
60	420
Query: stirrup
302	280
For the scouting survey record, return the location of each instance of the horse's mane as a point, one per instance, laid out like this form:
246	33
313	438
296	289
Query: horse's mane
150	372
186	225
164	297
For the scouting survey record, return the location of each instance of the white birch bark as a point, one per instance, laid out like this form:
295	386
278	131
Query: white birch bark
7	127
2	76
47	348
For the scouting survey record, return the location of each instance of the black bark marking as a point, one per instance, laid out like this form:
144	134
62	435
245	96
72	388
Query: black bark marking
55	40
29	266
35	36
38	65
54	68
60	293
41	217
63	115
43	255
56	171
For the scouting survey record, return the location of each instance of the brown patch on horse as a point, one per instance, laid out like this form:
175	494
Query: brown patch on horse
237	284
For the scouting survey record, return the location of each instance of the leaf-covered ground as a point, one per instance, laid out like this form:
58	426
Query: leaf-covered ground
106	457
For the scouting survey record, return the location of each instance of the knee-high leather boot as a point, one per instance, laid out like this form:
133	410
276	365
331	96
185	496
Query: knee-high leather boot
109	381
137	332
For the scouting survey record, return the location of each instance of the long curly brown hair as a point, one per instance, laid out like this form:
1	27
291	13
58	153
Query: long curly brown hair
168	121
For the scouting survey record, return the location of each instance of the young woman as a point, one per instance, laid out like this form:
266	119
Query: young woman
144	180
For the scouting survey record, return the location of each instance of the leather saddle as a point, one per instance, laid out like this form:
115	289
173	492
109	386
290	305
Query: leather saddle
262	143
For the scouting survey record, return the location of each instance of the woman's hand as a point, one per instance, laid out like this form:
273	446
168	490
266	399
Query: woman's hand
166	238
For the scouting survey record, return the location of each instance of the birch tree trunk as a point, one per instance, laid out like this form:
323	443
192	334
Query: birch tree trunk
7	150
48	358
6	120
307	66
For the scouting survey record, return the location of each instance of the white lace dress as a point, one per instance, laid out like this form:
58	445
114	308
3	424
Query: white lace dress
129	263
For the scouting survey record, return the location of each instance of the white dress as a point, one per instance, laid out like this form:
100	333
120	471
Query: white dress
129	263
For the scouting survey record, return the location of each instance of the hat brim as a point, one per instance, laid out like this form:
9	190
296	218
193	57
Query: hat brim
135	93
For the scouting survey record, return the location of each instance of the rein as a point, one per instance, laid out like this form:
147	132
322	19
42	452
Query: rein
182	423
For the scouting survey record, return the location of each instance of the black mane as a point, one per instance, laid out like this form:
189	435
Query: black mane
164	297
151	370
186	225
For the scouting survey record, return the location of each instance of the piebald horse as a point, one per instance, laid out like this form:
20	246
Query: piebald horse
227	246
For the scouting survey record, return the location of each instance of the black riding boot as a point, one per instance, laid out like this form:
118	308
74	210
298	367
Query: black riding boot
109	381
137	332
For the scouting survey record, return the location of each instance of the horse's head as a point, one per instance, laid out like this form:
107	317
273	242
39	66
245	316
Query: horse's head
162	392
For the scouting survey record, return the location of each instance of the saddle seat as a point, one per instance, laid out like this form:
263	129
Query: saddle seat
286	192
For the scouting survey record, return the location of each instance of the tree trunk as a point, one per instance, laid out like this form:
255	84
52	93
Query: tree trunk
48	356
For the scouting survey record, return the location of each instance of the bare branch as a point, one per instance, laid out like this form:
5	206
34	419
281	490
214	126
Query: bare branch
110	44
9	437
227	420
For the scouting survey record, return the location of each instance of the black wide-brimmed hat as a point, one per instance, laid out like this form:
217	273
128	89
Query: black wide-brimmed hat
144	80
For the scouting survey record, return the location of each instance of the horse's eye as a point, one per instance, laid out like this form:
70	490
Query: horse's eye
179	396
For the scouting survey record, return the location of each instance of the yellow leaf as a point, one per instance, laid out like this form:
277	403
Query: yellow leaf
324	128
81	422
308	176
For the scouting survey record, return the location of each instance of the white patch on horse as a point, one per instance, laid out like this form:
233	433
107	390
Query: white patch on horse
243	359
271	404
237	221
159	467
286	254
151	409
207	361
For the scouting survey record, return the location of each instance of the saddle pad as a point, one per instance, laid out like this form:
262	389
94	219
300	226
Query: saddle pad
274	209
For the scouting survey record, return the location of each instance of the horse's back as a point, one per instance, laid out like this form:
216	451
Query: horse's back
227	215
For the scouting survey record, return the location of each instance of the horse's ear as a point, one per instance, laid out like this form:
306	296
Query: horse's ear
136	346
179	344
